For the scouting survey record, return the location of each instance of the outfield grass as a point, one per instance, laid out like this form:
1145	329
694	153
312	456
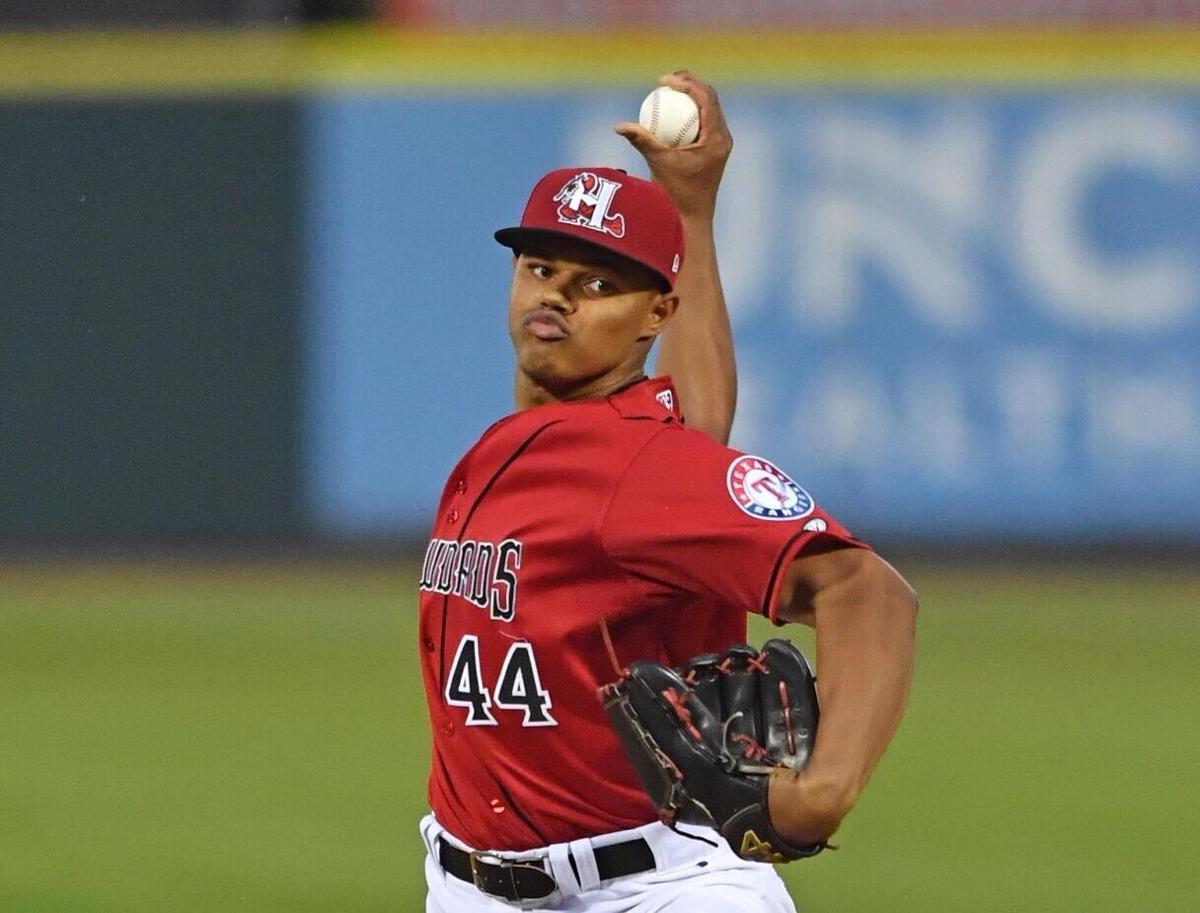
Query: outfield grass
249	737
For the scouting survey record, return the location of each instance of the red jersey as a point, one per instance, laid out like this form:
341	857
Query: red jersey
559	517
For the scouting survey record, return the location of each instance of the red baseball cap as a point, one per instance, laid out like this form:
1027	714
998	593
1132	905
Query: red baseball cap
608	208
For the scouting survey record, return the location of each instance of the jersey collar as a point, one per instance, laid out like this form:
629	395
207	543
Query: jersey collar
653	398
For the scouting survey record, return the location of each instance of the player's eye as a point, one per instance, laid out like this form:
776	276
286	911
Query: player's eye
598	285
541	270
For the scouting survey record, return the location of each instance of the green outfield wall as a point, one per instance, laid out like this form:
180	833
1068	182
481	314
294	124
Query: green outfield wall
149	336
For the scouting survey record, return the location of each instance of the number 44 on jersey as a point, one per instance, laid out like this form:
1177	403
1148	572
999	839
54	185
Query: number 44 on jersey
519	687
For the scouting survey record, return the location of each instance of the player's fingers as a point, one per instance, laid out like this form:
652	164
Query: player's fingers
690	83
675	77
684	75
639	137
712	118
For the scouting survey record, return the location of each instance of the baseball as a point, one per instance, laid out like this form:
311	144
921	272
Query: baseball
671	116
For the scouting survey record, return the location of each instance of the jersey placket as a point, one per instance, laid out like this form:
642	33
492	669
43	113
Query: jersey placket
463	501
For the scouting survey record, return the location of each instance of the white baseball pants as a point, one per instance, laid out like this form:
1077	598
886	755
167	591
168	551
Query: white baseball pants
691	876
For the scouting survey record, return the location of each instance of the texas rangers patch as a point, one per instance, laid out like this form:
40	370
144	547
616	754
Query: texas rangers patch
763	490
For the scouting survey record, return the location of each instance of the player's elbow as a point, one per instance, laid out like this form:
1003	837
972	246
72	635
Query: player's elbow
892	593
875	586
846	584
899	592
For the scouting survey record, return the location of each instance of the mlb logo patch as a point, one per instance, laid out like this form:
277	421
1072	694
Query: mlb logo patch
667	399
763	490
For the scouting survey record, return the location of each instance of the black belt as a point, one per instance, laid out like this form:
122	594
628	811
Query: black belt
528	879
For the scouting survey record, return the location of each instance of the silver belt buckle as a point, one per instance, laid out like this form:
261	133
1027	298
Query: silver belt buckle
478	856
507	866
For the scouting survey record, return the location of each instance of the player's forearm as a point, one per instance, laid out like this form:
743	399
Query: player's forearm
696	349
865	644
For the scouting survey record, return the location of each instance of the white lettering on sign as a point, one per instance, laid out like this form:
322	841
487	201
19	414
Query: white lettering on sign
941	435
850	422
1143	416
1032	400
1147	291
859	421
1034	411
907	202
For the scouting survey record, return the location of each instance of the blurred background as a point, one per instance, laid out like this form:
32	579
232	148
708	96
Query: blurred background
251	313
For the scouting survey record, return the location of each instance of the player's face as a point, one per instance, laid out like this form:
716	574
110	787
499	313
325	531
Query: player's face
582	321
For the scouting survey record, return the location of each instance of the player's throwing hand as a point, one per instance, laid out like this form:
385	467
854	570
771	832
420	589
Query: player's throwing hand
691	174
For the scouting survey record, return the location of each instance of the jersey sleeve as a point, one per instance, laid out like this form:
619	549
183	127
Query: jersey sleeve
694	516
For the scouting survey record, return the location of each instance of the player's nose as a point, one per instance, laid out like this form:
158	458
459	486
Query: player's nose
557	298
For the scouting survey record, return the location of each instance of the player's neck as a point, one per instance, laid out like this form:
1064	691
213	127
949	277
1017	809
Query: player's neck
530	393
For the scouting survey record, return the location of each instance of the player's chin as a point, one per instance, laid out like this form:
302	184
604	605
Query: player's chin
541	363
559	376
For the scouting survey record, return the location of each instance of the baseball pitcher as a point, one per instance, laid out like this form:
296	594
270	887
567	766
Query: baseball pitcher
604	740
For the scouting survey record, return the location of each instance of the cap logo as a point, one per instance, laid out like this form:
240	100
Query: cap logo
586	200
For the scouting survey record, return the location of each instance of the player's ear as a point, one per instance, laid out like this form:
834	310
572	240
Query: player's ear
662	309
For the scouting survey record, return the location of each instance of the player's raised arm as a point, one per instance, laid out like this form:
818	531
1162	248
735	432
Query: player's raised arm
696	349
864	613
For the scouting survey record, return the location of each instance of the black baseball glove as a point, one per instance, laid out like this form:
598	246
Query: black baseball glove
705	739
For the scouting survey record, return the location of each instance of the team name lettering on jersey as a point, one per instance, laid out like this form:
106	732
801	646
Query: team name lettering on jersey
483	573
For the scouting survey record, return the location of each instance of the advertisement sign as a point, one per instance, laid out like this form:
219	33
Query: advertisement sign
956	316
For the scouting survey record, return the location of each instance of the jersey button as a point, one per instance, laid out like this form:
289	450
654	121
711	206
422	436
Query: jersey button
447	729
461	487
428	644
452	517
